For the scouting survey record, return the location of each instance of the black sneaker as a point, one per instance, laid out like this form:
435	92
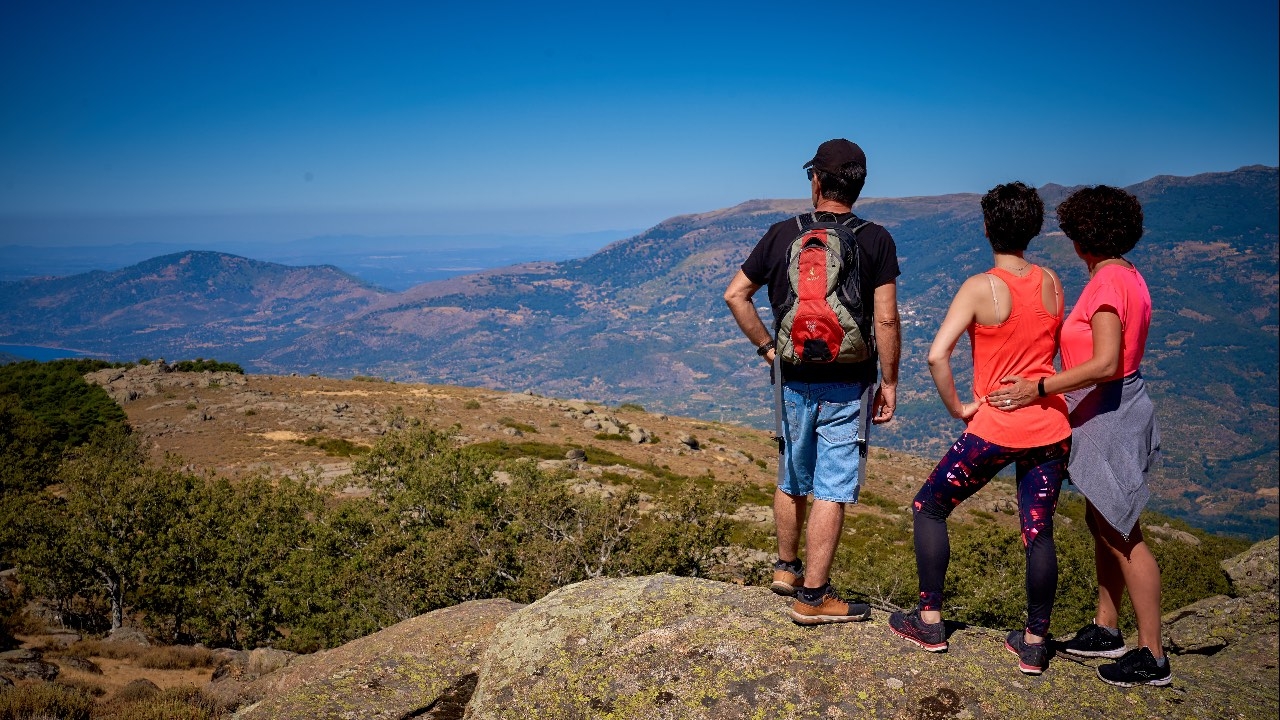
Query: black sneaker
930	636
1032	659
1095	641
1136	667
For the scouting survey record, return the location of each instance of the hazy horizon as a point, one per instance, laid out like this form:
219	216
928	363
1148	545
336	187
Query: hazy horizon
426	115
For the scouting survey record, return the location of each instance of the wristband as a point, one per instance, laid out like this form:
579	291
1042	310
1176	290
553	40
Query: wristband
765	348
1040	387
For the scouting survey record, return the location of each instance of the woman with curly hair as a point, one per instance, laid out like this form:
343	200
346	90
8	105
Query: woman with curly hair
1114	433
1012	313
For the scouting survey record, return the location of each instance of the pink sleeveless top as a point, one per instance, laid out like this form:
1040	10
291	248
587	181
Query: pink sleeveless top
1022	345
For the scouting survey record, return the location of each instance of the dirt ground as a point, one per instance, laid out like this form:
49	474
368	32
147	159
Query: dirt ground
260	425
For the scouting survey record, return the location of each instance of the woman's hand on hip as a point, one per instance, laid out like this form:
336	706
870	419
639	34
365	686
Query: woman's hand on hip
1016	393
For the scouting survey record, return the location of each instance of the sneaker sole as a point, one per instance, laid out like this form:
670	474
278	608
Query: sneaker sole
1112	654
1159	682
1025	668
799	619
783	589
931	647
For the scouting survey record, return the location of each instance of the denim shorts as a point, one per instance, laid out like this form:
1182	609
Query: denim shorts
823	423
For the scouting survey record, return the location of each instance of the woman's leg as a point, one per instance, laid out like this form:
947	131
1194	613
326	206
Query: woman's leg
1139	572
968	465
1040	475
1110	576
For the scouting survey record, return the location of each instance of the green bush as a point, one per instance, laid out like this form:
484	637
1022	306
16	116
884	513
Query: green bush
522	427
203	365
46	408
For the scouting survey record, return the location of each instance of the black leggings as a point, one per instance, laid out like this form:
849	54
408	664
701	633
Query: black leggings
966	467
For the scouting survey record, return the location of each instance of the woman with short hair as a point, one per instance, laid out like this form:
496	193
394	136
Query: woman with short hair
1012	313
1114	433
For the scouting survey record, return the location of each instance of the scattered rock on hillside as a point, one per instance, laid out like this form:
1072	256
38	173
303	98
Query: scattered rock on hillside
140	381
126	634
80	663
26	665
1161	533
140	689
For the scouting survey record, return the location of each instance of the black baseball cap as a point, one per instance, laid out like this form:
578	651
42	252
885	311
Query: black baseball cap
833	155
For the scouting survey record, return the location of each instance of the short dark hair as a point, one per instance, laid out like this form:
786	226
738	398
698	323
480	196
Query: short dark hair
1103	221
1014	214
843	187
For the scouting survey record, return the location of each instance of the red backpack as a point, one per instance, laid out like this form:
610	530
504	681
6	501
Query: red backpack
825	318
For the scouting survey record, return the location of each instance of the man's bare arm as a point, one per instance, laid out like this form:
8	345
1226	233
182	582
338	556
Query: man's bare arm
888	330
738	298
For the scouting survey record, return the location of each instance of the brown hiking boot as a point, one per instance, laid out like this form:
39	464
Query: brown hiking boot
822	605
786	579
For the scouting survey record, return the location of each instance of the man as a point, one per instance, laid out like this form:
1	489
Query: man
825	444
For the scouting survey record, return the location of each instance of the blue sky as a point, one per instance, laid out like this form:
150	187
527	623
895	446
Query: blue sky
550	117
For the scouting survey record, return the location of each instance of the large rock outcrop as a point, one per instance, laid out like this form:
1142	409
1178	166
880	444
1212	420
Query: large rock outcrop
408	670
665	647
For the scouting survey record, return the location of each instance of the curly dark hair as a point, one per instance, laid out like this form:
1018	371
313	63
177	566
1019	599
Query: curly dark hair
843	187
1014	214
1103	221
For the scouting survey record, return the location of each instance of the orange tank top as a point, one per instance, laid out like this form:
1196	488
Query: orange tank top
1022	345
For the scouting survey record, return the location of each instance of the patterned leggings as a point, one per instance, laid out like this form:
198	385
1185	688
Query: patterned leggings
966	467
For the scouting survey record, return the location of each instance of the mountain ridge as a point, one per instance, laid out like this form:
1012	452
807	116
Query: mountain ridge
642	321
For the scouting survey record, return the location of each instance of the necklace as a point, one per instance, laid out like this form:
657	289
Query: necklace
1019	271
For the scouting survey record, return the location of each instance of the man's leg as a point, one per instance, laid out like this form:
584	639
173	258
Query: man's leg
788	517
791	497
822	536
837	454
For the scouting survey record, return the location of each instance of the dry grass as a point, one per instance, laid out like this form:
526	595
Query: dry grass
27	700
180	703
88	687
172	657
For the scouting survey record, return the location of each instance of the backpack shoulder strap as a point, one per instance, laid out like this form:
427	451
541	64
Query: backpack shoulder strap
805	221
855	223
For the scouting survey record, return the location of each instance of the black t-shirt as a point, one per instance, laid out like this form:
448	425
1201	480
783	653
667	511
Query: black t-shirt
767	265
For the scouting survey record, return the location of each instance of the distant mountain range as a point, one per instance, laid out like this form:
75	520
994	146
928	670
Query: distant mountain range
643	321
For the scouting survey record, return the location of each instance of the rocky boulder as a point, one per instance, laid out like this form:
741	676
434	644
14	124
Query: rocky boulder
1248	621
1255	570
26	665
666	647
408	670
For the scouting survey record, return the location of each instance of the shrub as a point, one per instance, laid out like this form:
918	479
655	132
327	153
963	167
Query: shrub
202	365
471	405
522	427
